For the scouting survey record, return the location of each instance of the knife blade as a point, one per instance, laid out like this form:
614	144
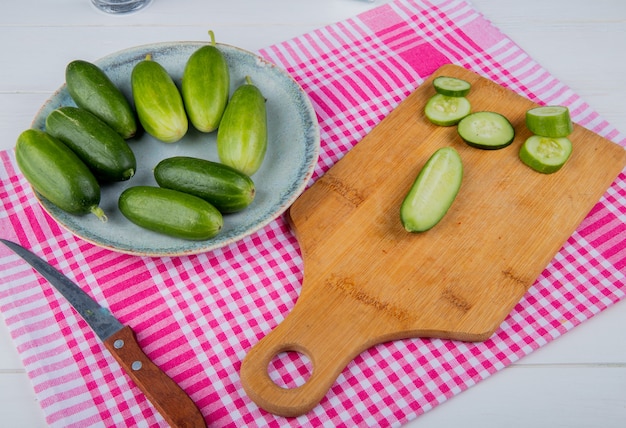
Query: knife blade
168	398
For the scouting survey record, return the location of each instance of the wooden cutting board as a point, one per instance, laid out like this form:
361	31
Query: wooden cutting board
367	280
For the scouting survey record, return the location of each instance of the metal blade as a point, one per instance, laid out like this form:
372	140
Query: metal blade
100	319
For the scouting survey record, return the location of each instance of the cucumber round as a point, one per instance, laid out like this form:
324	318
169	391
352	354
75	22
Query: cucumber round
170	212
205	87
545	154
433	191
242	134
549	121
224	187
57	174
443	110
158	101
91	89
104	151
451	86
486	130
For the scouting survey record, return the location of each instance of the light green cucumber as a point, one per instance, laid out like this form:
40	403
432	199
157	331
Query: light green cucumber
158	101
104	151
549	121
545	154
226	188
93	90
57	174
433	191
170	212
242	134
205	87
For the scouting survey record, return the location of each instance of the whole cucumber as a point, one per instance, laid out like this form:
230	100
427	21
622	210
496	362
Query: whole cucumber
242	134
158	101
104	151
93	90
170	212
57	174
205	87
224	187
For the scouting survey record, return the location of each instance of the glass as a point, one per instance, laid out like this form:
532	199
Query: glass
120	6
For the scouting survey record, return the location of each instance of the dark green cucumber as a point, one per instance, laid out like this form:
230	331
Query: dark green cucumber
205	87
242	134
57	174
91	89
170	212
486	130
158	101
226	188
104	151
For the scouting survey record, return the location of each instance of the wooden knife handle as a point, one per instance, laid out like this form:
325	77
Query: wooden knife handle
168	398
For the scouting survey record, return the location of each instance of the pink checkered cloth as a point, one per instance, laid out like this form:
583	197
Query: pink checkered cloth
198	316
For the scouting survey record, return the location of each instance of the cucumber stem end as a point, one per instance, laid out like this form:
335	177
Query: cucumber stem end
98	212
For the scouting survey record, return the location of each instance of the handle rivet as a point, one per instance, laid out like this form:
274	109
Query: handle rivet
136	365
118	344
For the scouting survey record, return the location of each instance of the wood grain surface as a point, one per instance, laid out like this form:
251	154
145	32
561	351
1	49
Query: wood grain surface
367	280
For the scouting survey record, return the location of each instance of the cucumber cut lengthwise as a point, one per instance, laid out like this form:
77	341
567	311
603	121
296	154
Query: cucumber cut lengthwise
443	110
451	86
486	130
545	154
549	121
433	191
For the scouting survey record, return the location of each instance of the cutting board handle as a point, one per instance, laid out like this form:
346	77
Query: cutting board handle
328	343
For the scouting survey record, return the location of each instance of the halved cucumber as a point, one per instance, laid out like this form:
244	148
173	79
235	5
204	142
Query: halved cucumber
486	130
549	121
545	154
451	86
443	110
433	191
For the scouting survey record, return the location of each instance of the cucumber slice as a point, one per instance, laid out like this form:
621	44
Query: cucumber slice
549	121
545	154
451	86
433	191
486	130
446	111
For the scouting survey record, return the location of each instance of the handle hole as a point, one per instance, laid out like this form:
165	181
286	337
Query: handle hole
290	369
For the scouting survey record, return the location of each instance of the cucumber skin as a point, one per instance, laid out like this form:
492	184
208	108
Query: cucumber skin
205	88
102	149
242	134
56	173
222	186
407	210
170	212
91	89
158	102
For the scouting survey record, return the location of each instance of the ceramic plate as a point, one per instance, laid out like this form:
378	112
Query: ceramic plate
292	153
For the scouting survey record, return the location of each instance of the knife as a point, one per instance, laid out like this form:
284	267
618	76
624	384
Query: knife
168	398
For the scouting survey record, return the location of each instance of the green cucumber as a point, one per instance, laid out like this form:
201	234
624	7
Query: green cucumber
451	86
549	121
242	134
486	130
545	154
205	87
158	101
91	89
443	110
57	174
170	212
226	188
433	191
104	151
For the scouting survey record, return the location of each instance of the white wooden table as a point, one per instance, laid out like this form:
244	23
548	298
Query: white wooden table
578	380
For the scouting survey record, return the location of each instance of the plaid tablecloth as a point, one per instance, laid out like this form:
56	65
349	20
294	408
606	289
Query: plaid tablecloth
198	316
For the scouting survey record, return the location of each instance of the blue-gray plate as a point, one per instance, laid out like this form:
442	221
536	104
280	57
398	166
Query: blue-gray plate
292	153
